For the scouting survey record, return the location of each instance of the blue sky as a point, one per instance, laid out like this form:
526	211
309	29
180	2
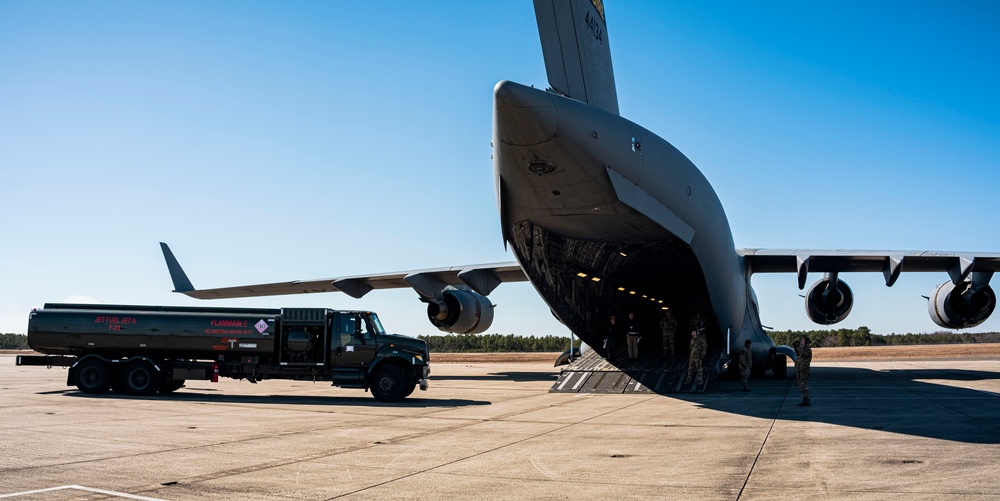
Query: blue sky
278	141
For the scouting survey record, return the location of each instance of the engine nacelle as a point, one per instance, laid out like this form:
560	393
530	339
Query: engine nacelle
460	311
827	303
960	306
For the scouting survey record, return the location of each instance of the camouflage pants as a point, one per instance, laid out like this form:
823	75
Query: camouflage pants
668	343
803	378
694	370
745	375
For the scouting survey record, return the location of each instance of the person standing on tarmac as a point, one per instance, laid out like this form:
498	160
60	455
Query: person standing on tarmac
632	332
669	327
803	358
746	361
610	342
698	348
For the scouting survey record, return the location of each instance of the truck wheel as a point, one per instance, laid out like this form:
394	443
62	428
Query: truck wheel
171	386
409	389
388	383
141	378
92	377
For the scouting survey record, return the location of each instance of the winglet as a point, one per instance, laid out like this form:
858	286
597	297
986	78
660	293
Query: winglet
181	282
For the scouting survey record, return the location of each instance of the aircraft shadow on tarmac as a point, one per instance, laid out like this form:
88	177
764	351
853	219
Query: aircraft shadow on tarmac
901	401
205	396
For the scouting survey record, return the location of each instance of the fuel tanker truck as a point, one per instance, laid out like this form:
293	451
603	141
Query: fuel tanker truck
143	350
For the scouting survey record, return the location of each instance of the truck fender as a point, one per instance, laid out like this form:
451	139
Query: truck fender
71	373
402	362
92	355
144	357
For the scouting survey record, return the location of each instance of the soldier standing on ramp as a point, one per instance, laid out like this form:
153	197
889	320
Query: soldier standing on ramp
632	336
803	357
698	348
669	327
611	342
746	361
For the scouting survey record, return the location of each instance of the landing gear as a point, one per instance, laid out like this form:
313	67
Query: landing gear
779	366
733	368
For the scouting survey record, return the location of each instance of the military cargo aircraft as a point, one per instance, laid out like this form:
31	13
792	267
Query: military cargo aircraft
605	217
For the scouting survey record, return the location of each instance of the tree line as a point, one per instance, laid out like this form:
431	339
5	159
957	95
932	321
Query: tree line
863	336
488	343
471	343
13	342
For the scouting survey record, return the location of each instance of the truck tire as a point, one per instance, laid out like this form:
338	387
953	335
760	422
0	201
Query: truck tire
141	378
409	389
92	377
171	386
388	383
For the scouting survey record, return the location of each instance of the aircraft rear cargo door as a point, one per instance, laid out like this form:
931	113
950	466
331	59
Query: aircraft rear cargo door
354	342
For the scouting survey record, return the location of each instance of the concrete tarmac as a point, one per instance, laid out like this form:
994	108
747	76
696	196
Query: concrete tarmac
914	429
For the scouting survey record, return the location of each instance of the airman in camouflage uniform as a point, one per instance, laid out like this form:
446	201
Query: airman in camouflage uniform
669	327
746	361
698	348
803	357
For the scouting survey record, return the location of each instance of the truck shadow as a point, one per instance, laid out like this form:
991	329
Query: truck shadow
931	403
219	398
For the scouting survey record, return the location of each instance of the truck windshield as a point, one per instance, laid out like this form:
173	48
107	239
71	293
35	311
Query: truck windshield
376	324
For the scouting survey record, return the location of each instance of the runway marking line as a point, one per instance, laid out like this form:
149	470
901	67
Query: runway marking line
81	488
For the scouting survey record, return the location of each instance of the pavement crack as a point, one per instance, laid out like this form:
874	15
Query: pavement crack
763	443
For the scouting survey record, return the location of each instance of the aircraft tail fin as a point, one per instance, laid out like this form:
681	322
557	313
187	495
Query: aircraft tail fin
577	54
180	279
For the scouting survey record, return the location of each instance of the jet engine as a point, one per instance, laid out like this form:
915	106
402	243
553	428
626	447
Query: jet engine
829	301
460	311
960	306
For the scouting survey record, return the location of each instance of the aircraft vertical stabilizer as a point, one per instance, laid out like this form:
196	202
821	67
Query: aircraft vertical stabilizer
577	54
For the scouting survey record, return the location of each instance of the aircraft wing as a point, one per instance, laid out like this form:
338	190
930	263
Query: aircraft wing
482	278
959	266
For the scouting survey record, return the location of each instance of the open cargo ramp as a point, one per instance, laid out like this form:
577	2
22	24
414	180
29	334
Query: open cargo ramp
591	373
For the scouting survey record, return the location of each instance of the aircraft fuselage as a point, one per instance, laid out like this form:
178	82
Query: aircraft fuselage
607	218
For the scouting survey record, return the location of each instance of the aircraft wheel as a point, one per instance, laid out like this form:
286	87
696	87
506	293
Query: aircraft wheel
141	378
388	384
93	377
733	369
780	366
